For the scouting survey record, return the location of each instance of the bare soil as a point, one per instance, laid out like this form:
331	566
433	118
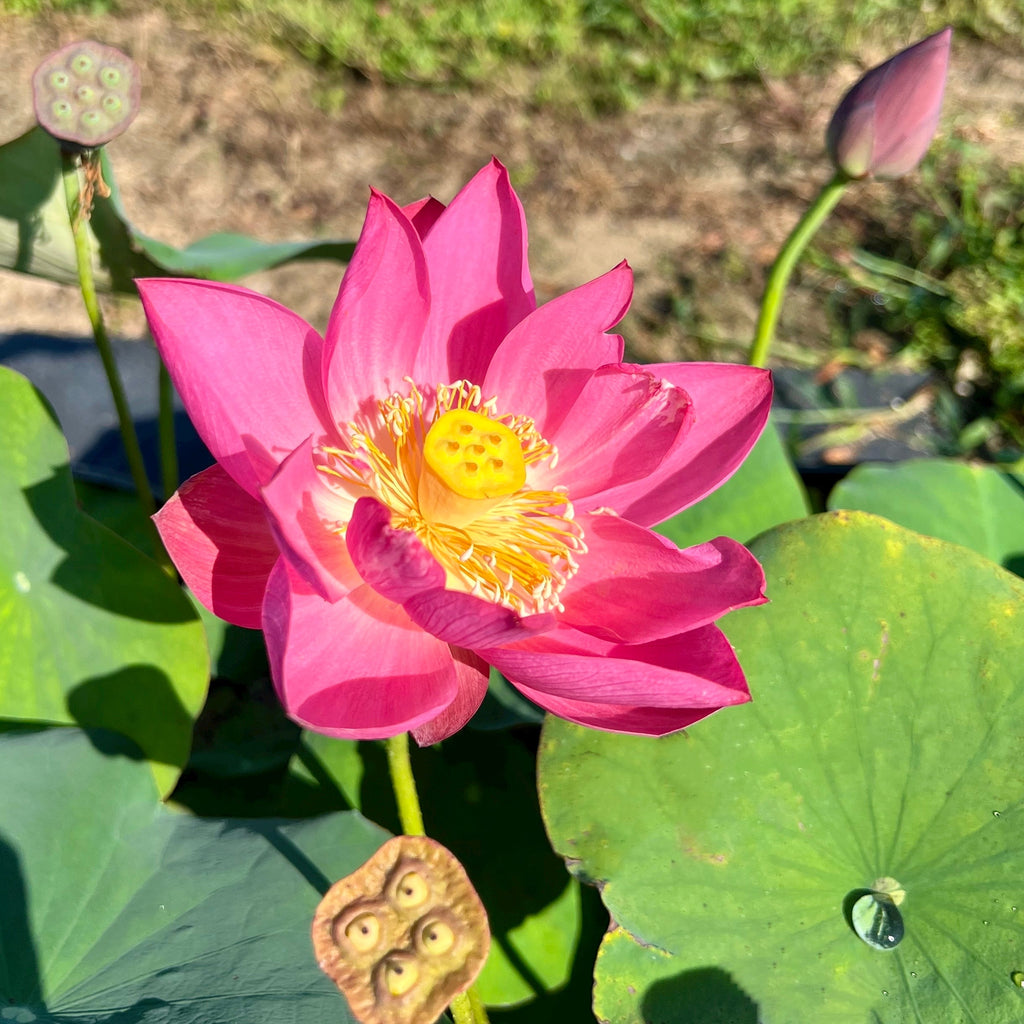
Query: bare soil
696	195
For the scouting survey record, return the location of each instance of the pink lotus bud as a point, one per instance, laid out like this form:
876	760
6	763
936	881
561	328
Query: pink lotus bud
885	123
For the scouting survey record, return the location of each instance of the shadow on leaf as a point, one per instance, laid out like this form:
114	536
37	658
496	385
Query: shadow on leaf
98	567
705	995
138	702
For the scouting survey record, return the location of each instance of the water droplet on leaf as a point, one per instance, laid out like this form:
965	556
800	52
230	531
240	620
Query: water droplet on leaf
877	921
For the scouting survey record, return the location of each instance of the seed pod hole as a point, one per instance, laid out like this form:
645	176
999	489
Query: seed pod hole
411	888
362	932
435	936
398	975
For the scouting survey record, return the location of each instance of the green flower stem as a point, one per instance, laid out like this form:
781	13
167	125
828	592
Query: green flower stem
165	428
781	270
467	1008
402	782
87	285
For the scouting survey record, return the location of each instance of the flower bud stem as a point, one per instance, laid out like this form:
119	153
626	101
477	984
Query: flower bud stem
784	263
467	1007
79	218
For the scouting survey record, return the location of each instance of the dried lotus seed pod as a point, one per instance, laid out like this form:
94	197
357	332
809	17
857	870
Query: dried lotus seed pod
402	935
86	93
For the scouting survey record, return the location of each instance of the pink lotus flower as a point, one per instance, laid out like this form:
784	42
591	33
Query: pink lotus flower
884	124
454	478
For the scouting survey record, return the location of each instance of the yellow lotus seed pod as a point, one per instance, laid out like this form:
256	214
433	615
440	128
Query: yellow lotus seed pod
402	935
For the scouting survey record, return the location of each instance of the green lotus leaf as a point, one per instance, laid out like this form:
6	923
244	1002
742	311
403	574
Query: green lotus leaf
881	751
981	507
116	910
91	631
36	239
764	492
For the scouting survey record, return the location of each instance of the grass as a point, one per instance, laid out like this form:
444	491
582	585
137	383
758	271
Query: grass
596	54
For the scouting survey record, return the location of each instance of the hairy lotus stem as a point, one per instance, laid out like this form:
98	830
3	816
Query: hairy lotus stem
468	1007
784	263
78	215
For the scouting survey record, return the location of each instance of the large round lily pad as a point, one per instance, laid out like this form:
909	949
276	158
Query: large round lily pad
116	910
885	738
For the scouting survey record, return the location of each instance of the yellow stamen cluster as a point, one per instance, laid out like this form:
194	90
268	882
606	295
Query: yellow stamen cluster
455	471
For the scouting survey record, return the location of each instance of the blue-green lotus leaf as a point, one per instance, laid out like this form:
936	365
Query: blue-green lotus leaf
115	909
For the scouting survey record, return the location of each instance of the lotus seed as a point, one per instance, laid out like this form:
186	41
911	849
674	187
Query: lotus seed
363	932
412	890
437	938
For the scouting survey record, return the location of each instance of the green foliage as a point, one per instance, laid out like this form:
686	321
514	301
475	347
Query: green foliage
942	271
29	7
592	53
883	739
980	507
92	632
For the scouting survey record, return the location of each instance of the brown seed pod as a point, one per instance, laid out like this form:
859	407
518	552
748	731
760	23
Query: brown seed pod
86	94
404	934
